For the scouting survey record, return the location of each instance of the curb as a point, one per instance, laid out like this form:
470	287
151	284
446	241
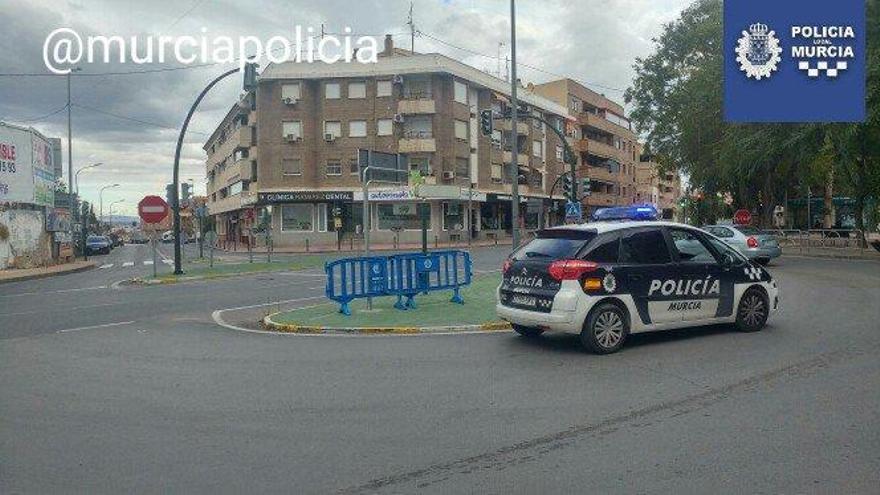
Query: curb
88	266
494	326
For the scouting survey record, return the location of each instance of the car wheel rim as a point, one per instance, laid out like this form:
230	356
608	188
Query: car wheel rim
608	329
753	310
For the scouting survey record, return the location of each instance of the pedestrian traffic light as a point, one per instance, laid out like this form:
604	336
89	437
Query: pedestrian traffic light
185	193
568	187
486	122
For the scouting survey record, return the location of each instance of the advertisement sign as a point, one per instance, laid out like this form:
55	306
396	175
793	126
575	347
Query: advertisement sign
304	196
42	160
27	172
794	61
57	220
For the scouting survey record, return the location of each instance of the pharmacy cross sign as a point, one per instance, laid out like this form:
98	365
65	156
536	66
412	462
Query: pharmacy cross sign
152	209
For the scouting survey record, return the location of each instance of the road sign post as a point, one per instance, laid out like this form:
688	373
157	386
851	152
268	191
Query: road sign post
152	210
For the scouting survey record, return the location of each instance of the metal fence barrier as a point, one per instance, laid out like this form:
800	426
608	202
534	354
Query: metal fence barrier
401	275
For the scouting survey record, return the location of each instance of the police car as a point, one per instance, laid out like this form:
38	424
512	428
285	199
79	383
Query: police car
608	279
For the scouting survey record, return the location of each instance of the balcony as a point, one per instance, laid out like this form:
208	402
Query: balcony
243	137
601	173
228	203
602	199
522	128
414	141
604	150
601	123
416	107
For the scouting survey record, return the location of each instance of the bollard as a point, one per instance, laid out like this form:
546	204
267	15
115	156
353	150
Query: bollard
307	244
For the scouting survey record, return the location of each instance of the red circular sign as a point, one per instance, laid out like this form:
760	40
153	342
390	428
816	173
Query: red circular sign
152	209
742	217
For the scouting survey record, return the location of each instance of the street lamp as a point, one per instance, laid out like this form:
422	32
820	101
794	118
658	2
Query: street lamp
111	207
76	177
101	200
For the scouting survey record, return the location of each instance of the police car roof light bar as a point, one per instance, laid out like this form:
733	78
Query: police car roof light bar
635	212
570	269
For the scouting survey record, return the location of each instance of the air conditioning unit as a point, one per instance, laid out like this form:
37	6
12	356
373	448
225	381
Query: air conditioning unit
290	138
398	118
329	137
448	175
398	79
289	100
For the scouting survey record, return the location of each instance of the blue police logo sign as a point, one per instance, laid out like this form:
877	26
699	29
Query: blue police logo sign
758	51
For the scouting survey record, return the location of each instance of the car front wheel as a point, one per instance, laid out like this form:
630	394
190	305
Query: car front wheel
753	310
605	330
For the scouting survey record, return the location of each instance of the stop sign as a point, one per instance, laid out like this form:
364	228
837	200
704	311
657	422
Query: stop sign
742	217
152	209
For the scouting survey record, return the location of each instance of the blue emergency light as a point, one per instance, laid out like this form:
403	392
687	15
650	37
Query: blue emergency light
634	212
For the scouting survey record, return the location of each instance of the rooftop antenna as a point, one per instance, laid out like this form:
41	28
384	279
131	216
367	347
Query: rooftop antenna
412	29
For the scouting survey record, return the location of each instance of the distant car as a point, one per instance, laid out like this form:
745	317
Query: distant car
98	244
138	238
750	241
168	236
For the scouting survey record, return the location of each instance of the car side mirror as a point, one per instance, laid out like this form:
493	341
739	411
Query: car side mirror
728	260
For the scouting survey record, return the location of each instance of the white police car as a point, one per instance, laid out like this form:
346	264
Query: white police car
605	280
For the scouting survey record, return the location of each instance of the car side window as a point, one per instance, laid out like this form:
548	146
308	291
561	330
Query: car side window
724	232
644	247
605	251
690	247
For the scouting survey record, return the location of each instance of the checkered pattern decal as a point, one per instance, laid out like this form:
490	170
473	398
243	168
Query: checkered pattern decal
753	273
829	69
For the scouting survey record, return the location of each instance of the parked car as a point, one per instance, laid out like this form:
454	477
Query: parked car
138	237
98	244
750	241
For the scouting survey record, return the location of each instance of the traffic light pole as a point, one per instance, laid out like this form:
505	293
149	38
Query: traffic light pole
178	260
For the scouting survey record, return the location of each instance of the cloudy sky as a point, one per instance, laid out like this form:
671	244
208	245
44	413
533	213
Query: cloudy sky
129	122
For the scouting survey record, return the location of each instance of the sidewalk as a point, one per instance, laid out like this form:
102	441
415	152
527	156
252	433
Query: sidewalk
357	246
17	275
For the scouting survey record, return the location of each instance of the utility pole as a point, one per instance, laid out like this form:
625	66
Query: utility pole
412	29
70	198
514	119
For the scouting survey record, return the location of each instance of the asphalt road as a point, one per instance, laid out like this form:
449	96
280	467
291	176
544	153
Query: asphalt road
107	389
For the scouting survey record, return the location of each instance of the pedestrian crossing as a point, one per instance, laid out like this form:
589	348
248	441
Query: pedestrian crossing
129	264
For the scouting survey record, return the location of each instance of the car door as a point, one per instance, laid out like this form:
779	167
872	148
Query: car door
700	281
644	264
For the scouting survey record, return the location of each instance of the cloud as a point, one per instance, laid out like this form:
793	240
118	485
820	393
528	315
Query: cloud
130	122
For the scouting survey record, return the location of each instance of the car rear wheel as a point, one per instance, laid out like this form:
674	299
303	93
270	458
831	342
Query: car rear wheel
606	329
753	310
529	332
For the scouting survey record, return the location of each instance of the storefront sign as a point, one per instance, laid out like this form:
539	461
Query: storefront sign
404	194
304	196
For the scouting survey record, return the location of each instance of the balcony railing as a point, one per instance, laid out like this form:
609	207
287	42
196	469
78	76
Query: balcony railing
417	94
417	134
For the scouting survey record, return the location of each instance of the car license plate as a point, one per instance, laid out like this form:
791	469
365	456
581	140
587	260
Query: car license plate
521	300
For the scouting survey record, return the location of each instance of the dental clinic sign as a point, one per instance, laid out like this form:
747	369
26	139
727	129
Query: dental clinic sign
794	61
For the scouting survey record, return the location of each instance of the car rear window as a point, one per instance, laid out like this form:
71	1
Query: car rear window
555	244
749	230
94	238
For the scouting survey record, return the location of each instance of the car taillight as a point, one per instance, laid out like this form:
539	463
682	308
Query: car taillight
752	242
570	269
506	266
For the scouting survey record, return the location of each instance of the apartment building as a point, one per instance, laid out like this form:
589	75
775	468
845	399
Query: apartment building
310	121
603	140
659	187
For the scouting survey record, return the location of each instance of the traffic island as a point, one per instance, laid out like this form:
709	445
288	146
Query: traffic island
434	314
199	270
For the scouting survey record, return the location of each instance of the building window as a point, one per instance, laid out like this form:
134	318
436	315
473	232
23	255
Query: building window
291	129
333	127
383	88
357	90
291	166
331	91
420	163
334	168
417	89
462	167
460	92
290	90
403	215
297	218
418	127
496	173
322	217
537	124
357	128
453	216
496	138
461	130
354	167
384	127
235	188
560	154
537	149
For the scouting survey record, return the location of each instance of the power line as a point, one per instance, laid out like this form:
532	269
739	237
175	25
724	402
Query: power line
132	119
528	66
44	117
196	4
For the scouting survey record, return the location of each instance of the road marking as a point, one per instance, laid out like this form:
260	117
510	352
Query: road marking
106	265
148	262
106	325
167	261
55	310
59	291
128	263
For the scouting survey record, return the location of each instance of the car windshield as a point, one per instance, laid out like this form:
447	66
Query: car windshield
555	244
95	238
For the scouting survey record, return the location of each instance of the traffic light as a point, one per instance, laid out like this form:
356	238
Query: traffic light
568	187
169	194
185	193
486	122
587	188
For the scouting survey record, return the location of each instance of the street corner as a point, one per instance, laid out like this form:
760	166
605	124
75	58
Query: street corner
20	275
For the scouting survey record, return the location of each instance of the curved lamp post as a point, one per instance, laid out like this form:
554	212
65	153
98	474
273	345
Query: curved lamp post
101	200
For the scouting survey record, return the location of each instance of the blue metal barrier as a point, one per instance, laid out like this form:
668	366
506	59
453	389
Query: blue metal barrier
401	275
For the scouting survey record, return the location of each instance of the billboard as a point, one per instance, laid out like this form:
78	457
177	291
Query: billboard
26	167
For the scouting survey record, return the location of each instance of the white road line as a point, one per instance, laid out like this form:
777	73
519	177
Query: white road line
106	325
148	262
167	261
128	263
106	265
59	291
